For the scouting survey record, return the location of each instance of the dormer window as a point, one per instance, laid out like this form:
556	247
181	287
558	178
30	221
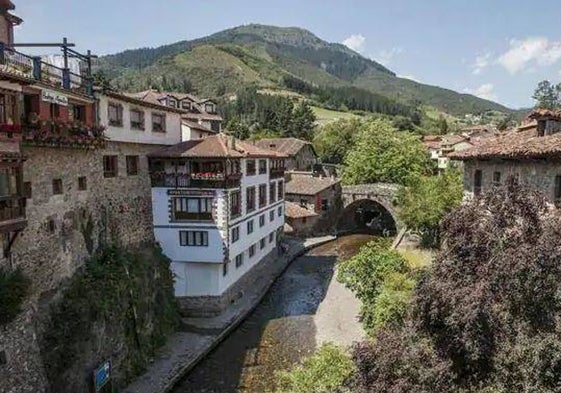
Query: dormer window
209	108
186	105
172	102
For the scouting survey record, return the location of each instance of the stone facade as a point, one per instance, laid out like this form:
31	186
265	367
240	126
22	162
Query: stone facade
63	229
537	173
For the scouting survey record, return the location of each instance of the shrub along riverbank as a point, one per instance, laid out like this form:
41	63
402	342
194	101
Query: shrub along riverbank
479	319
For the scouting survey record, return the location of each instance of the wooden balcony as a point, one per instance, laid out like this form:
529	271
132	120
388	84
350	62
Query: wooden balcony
196	180
12	214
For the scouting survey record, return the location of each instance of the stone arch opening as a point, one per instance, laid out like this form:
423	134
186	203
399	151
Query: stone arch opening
367	216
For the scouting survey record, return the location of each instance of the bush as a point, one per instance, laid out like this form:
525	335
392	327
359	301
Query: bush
324	372
14	288
393	302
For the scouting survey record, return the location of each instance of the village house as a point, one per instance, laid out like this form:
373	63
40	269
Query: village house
300	221
440	147
529	154
218	207
317	194
200	117
301	154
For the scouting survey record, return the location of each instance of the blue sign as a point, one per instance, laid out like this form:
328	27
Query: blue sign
102	376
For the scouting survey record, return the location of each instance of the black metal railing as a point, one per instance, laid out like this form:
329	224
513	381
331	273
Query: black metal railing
35	68
11	208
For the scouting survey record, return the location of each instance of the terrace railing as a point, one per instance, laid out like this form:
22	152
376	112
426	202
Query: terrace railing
202	180
20	64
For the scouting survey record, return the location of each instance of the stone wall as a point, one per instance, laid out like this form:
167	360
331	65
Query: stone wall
538	174
62	231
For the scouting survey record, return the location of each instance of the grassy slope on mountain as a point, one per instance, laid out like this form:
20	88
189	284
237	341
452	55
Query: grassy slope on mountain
261	55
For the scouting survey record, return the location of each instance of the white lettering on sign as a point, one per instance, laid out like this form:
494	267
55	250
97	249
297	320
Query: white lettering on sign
54	97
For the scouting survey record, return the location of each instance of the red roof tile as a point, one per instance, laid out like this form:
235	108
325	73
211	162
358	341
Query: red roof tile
309	185
294	210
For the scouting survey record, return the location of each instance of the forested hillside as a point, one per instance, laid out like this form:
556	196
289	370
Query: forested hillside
268	57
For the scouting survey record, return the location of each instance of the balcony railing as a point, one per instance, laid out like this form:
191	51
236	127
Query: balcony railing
196	180
276	173
20	64
12	213
60	134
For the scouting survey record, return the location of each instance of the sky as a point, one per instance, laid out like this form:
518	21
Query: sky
495	49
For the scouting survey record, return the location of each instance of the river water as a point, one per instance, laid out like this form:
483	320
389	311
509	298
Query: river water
281	330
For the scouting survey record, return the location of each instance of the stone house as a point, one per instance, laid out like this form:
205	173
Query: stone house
300	221
301	154
7	22
321	195
529	153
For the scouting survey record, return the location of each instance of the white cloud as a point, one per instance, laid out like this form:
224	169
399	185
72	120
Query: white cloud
355	42
531	51
481	62
385	57
486	91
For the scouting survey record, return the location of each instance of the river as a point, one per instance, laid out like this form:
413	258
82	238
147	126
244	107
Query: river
305	306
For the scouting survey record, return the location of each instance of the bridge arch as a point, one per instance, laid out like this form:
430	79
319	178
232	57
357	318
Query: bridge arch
369	208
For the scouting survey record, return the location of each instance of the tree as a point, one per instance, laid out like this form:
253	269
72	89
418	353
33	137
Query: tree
426	200
303	122
547	95
334	140
382	154
442	125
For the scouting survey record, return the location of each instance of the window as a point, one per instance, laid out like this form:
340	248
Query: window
496	178
477	182
82	183
225	269
235	204
239	260
209	108
262	195
324	205
76	112
250	227
262	167
304	220
192	209
262	220
303	202
215	125
250	199
172	102
115	115
27	189
186	105
557	192
281	190
272	215
132	165
55	111
57	186
271	237
235	234
137	119
193	238
158	122
252	251
110	166
262	243
280	211
272	193
250	167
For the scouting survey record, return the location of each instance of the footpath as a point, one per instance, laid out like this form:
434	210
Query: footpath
199	336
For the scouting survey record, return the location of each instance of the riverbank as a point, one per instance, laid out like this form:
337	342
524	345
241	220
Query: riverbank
200	336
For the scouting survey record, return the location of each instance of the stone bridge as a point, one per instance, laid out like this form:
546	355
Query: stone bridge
369	206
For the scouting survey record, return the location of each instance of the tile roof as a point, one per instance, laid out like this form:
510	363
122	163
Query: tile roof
553	114
215	146
133	98
197	126
294	210
155	97
518	143
202	116
309	185
288	146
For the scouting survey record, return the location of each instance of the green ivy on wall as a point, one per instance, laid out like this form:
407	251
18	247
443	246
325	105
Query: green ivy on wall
14	288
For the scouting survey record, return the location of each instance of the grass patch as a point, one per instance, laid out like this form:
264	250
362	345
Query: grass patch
417	259
325	116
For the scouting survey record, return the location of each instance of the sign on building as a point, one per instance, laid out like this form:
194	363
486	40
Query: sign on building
54	97
102	375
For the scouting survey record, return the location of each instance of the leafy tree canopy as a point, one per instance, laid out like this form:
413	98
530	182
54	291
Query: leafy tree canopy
547	95
334	140
383	154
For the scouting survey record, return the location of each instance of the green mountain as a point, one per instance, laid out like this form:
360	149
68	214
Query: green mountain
266	56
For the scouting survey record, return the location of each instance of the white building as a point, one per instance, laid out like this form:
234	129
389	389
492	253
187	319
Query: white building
132	120
218	207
